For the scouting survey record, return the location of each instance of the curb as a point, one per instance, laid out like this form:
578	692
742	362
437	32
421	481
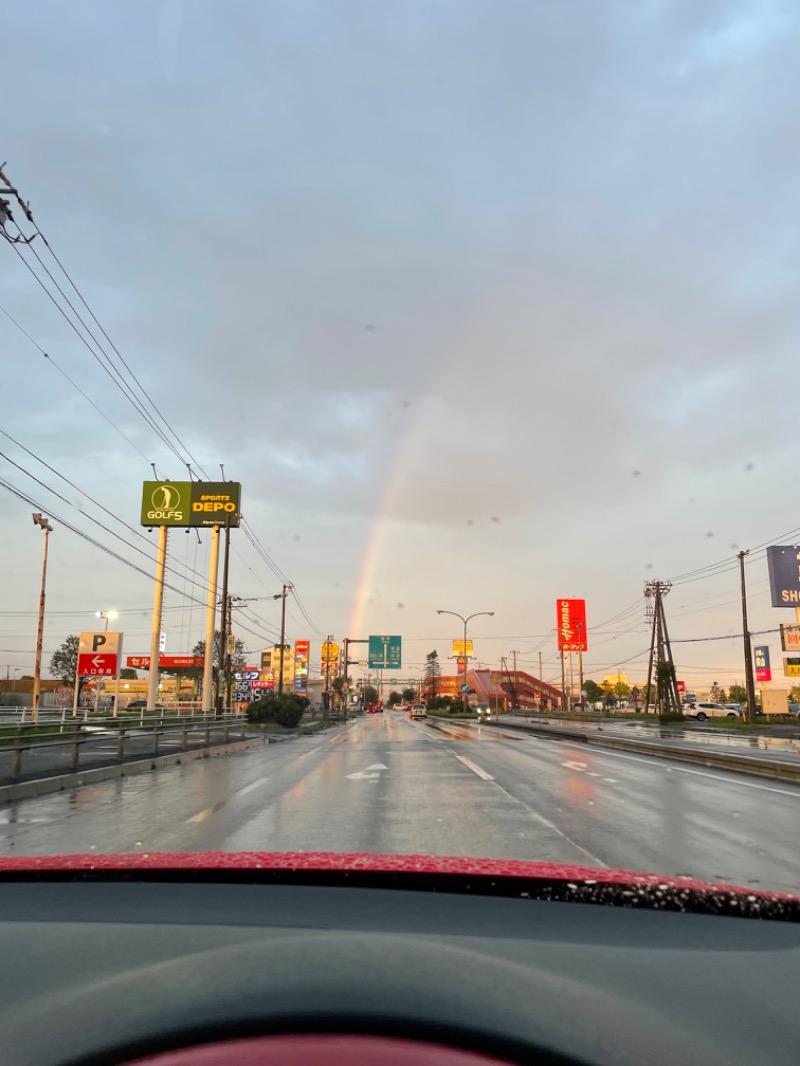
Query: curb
772	768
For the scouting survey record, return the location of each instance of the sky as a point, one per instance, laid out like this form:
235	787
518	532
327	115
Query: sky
483	303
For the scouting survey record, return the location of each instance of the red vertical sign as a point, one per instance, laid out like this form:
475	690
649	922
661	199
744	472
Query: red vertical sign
571	625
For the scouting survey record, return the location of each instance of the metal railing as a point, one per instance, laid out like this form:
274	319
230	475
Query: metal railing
64	715
126	741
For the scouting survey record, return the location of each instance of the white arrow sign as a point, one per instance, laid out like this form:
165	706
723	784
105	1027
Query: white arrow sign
97	662
365	775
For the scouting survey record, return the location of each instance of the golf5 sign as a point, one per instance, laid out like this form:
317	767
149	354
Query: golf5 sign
190	503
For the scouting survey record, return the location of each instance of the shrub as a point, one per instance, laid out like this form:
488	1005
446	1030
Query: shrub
286	710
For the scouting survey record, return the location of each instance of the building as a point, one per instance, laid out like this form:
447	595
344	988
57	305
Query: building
506	690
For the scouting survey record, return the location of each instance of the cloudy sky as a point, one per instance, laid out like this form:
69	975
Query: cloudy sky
484	303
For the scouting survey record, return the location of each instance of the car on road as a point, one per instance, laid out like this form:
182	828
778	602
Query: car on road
141	705
702	711
375	708
794	710
735	708
483	710
418	710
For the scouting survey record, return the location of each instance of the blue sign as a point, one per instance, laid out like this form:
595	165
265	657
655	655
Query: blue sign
783	563
385	653
243	690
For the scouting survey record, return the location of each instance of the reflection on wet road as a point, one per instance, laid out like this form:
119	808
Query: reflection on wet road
386	784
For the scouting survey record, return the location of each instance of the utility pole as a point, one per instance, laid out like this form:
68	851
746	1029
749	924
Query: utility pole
661	664
47	529
345	663
223	622
541	683
327	693
748	649
580	664
284	594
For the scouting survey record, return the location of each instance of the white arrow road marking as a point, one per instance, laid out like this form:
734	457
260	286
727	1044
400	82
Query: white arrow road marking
574	765
364	775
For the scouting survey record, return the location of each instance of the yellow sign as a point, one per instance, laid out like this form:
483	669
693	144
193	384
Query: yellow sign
462	647
791	669
330	653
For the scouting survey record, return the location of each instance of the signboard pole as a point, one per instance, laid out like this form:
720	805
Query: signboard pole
158	603
580	666
115	710
748	651
222	668
211	609
75	692
563	686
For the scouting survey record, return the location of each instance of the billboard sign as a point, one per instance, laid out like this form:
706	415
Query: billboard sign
791	667
301	650
329	653
191	503
783	564
790	638
166	662
385	653
571	625
681	687
244	685
761	658
461	664
98	654
462	647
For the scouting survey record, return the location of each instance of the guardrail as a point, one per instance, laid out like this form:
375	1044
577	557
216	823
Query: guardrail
64	715
125	738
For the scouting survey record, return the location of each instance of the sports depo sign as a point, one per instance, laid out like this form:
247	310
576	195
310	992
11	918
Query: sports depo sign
190	503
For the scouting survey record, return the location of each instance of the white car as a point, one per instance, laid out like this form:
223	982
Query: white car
702	711
418	710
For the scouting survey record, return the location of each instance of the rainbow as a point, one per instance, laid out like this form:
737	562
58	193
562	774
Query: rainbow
369	565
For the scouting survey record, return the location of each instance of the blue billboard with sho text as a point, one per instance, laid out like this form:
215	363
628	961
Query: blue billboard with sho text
783	563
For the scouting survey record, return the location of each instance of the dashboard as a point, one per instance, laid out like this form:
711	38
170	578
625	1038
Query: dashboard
115	969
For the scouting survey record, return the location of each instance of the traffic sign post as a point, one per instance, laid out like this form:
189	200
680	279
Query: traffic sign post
99	655
385	653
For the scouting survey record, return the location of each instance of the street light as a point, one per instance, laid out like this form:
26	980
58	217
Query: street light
47	529
477	614
107	615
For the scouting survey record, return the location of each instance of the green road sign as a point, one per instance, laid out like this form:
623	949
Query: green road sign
385	653
190	503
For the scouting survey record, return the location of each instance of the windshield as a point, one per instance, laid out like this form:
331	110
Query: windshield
396	407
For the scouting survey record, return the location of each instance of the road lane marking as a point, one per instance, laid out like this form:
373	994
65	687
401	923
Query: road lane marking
306	755
703	773
366	775
475	769
201	817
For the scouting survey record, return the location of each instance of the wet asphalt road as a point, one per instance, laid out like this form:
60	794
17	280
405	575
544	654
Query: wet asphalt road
386	784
